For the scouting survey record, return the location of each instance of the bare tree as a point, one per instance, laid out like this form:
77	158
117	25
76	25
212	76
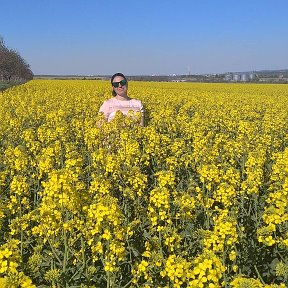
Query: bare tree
12	66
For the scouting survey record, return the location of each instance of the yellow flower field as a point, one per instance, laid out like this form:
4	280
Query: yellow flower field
196	198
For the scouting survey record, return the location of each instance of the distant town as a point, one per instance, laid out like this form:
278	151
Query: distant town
263	76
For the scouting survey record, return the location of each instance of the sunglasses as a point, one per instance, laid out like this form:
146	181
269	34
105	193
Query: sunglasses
116	84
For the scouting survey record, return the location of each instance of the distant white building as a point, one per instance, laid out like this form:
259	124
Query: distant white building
228	77
243	77
236	77
240	77
252	76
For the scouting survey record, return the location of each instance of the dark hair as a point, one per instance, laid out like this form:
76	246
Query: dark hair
112	78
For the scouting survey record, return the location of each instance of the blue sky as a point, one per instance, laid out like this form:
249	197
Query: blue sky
96	37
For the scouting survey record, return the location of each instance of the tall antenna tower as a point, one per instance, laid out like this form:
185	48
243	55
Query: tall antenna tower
189	70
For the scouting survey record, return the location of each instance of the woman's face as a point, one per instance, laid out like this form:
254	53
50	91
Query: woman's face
121	90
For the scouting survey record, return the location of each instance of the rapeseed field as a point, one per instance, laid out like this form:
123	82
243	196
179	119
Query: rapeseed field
196	198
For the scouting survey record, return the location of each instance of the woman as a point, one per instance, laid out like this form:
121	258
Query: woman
121	101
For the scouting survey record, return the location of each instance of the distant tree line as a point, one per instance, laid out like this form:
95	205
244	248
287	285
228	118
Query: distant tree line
13	67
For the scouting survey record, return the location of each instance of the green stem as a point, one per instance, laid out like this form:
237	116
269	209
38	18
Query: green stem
83	257
161	250
108	279
21	233
65	252
128	284
224	263
258	274
54	253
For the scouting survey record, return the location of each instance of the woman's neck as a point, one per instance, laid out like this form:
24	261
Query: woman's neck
122	98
